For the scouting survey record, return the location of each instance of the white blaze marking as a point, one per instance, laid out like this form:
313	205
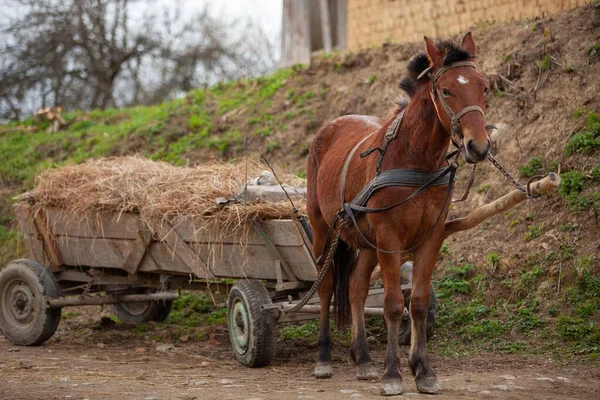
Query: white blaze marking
462	80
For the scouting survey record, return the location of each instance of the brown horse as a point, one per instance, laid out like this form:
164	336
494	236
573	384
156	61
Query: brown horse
447	104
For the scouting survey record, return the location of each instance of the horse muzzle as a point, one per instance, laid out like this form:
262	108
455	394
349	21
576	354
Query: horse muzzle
474	152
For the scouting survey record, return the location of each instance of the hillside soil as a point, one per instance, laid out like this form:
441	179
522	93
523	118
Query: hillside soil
116	364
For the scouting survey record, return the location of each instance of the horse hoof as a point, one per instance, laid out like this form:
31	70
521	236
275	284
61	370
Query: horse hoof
366	372
392	388
429	386
323	370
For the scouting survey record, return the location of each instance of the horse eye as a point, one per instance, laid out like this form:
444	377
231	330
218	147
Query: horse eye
446	92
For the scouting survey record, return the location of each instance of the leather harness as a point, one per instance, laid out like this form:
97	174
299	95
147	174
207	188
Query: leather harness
423	180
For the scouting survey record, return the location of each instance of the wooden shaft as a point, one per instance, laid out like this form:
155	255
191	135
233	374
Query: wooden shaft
504	203
110	299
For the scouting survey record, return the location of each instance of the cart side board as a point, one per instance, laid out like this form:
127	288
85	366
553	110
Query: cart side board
118	241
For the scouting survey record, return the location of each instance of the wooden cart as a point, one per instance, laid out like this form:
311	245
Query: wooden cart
115	259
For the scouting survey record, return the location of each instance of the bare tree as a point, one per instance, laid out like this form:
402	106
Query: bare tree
91	53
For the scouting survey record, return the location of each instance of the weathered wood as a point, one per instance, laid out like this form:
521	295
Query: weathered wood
274	252
110	299
551	182
113	241
101	225
194	260
139	250
281	232
253	261
38	224
101	278
108	253
126	226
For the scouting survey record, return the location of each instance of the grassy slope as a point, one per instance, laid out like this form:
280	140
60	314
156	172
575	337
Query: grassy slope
528	280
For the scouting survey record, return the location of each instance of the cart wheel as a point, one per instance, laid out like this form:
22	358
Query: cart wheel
25	286
143	311
253	332
404	336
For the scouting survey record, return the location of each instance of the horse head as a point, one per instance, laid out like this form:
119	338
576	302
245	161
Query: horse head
458	93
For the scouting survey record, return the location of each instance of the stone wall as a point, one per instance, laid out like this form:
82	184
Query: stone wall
372	22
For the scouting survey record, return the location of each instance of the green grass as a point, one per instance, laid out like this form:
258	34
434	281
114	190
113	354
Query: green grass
150	130
533	231
544	63
588	140
532	168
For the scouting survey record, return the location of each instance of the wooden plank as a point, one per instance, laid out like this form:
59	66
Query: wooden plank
281	231
252	261
139	250
38	225
194	260
126	226
107	253
35	248
101	225
275	253
162	259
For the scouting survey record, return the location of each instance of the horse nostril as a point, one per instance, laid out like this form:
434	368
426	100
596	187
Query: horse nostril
470	146
479	151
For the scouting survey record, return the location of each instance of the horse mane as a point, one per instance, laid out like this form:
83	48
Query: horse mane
420	62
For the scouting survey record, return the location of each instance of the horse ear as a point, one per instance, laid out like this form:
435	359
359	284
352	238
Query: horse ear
468	43
433	53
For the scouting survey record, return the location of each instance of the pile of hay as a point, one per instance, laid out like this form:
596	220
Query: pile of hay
156	191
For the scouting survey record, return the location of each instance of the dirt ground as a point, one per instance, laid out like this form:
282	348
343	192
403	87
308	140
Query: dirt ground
115	363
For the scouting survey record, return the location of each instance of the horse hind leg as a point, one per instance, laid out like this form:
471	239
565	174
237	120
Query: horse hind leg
418	360
359	289
393	308
324	366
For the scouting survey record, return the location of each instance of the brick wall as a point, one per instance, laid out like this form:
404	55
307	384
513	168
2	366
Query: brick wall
371	22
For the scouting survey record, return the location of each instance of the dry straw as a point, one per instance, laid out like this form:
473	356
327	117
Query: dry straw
157	192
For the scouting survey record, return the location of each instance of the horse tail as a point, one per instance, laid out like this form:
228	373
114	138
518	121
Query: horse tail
344	263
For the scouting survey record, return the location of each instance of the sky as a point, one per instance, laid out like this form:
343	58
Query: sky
265	12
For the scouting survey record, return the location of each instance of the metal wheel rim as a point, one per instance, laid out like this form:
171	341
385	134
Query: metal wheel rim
19	304
239	327
137	308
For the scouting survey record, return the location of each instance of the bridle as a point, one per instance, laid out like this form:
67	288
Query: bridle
456	133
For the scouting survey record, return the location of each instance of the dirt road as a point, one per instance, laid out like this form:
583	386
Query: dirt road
118	365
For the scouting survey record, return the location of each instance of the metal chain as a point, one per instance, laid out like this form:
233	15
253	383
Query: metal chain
508	176
328	261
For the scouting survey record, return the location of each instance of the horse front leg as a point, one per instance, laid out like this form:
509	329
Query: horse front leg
359	289
393	307
418	360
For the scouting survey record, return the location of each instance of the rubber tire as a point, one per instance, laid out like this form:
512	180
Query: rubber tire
156	311
404	336
262	329
43	285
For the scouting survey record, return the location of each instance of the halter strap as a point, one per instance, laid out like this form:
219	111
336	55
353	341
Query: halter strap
455	117
453	65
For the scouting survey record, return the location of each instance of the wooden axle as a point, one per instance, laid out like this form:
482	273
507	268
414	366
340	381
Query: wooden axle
110	299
